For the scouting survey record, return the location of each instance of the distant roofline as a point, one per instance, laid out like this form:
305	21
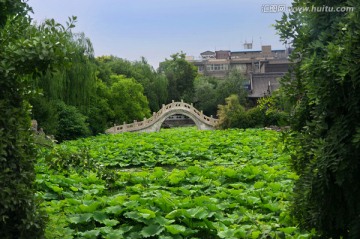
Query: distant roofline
207	52
245	51
255	51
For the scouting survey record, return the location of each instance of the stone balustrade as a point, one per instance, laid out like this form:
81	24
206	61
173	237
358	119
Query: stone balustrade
153	124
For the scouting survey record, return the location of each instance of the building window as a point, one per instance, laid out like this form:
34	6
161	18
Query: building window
217	67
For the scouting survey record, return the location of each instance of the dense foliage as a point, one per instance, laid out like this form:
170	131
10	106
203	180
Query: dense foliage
324	91
127	100
25	52
268	112
178	183
110	97
154	84
73	83
209	92
71	123
180	75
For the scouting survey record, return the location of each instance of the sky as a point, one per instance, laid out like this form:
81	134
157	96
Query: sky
156	29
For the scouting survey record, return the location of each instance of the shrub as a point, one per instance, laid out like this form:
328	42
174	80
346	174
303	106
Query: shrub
234	115
256	117
71	123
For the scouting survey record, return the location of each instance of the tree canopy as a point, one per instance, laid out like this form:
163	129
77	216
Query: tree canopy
154	84
26	51
209	92
324	91
127	100
180	75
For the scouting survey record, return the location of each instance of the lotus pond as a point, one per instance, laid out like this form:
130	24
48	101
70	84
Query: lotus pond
177	183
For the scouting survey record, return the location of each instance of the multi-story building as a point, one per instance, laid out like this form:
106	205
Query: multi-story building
262	68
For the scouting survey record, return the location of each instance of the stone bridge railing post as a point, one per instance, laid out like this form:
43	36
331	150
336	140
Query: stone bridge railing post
163	112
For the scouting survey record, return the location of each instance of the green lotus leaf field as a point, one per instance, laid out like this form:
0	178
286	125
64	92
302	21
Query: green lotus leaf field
177	183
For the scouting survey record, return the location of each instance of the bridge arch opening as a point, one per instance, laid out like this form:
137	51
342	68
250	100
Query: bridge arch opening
183	113
177	120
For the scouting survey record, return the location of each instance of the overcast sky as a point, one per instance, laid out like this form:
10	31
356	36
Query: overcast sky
156	29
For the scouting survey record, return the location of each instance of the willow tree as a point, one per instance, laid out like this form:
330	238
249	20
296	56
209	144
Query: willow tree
73	83
25	52
324	91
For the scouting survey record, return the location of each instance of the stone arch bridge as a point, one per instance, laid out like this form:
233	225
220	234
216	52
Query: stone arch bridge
154	123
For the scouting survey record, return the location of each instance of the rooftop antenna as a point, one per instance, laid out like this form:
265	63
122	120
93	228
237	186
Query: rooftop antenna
248	45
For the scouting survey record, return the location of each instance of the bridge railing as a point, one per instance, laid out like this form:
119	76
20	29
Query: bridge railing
135	126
